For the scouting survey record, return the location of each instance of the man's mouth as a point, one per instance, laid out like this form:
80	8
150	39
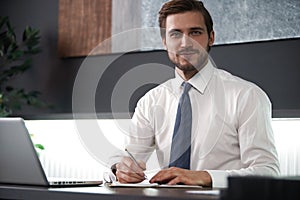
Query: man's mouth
183	53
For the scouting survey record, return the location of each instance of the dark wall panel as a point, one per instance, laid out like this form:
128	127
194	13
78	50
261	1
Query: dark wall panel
273	65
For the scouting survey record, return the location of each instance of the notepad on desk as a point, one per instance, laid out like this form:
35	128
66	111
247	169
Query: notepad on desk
142	184
146	184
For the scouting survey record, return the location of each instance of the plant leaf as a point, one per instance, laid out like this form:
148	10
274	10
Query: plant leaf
39	146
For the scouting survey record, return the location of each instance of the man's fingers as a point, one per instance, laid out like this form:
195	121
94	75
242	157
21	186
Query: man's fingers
178	180
128	178
163	177
166	176
129	172
175	175
133	166
142	165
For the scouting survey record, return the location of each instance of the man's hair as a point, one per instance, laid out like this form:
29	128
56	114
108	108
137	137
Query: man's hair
181	6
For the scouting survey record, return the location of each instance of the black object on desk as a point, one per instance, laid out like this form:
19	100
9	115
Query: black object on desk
262	188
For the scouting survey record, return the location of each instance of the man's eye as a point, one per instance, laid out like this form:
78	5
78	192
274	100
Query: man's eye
196	33
175	34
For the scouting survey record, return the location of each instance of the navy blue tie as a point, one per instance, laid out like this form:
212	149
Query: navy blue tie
181	142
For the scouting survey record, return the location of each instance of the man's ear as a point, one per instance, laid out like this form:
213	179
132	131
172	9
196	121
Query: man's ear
211	38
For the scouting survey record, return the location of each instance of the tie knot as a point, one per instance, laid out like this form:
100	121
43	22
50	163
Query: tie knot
186	87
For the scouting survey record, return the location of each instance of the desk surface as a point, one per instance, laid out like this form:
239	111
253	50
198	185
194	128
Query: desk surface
103	192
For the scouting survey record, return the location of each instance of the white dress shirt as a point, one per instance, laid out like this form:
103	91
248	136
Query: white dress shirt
231	127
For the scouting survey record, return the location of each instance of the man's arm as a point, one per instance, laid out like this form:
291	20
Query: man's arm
257	147
140	142
256	139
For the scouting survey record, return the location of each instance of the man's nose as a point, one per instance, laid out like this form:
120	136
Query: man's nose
186	41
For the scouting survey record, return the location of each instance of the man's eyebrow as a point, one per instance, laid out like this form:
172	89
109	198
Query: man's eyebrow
197	28
192	28
174	30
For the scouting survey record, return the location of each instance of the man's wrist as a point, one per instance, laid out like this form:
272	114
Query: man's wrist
206	178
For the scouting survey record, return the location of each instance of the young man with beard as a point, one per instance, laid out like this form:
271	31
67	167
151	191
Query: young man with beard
223	123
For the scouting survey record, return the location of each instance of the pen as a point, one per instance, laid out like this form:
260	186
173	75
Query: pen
135	161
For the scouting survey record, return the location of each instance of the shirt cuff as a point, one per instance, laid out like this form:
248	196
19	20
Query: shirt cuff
219	178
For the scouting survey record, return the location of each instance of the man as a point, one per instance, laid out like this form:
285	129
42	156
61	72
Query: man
219	124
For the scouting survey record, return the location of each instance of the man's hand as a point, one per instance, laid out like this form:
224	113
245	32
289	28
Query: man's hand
176	175
129	172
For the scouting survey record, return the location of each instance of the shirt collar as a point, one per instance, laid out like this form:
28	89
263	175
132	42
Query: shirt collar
199	81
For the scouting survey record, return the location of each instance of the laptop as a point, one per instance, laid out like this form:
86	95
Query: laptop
19	162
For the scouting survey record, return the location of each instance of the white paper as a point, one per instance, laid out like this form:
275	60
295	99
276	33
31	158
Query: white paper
146	184
142	184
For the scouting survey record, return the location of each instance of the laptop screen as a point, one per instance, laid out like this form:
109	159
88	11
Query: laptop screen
19	161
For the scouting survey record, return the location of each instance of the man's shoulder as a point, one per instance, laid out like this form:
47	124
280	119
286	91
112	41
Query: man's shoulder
228	78
239	84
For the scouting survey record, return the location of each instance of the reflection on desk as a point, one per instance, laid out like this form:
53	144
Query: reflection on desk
103	192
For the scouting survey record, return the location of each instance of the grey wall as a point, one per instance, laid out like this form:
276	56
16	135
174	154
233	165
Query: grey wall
274	65
50	74
237	21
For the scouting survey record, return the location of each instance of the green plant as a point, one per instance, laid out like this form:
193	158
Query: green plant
38	147
15	59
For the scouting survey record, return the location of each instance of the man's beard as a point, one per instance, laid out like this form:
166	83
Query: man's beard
202	56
